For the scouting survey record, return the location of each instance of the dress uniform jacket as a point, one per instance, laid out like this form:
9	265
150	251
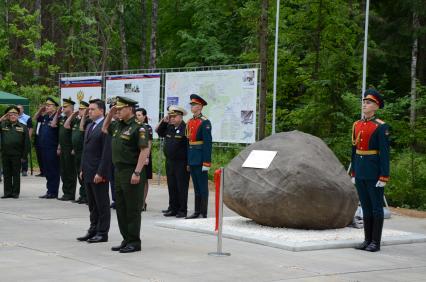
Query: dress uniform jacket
370	150
199	136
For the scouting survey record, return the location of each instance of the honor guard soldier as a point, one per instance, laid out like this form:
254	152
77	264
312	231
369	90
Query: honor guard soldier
199	134
14	148
172	128
370	167
129	152
67	168
78	122
48	144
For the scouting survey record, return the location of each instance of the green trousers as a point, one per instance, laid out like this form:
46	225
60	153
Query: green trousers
128	203
77	164
12	177
68	173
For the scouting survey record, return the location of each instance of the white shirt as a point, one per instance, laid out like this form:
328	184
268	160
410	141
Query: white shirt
97	122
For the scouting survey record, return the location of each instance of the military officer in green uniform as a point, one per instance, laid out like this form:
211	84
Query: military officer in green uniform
66	158
78	122
15	146
370	167
129	152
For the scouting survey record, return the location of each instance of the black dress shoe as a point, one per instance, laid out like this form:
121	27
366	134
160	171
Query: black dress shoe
86	237
50	196
165	211
6	196
77	201
129	249
63	198
15	196
83	201
181	215
170	213
98	239
117	248
43	196
194	215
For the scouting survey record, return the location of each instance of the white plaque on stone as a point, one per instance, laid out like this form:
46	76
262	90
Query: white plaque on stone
260	159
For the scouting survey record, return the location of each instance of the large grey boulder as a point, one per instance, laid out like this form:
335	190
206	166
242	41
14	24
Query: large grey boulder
305	186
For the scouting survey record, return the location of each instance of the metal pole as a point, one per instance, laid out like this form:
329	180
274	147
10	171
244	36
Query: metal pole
364	63
219	252
275	67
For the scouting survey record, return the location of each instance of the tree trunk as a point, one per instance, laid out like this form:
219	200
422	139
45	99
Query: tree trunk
37	43
263	50
153	51
143	34
318	41
414	50
123	45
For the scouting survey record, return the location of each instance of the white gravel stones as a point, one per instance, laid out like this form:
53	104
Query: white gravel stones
244	229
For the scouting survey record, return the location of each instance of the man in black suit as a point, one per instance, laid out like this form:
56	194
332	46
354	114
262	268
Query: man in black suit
96	172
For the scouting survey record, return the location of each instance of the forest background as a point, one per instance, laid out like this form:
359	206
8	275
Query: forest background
319	66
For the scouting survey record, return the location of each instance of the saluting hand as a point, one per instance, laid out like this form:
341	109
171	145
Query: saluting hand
113	110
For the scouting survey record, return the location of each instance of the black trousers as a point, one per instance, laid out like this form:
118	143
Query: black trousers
12	180
100	212
177	184
39	159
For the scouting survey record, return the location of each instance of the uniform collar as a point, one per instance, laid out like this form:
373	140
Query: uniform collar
198	116
369	119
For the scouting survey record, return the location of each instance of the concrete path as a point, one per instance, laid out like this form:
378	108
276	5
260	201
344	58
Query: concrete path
37	243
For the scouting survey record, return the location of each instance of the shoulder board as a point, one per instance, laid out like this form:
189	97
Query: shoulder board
379	121
204	118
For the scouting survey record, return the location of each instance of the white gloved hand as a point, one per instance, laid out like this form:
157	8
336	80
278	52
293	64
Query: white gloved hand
205	168
353	180
380	184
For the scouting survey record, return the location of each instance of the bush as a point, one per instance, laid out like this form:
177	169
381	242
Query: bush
407	186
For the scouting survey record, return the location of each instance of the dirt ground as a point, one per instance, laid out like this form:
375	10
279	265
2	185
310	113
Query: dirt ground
408	212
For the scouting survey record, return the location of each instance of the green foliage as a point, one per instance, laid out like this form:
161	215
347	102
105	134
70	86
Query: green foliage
319	61
26	30
407	187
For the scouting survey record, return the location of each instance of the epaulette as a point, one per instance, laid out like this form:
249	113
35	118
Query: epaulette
379	121
204	118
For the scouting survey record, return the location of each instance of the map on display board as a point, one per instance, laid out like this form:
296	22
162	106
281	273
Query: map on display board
231	96
83	88
144	88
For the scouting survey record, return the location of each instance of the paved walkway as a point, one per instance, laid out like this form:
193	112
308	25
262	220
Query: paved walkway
37	243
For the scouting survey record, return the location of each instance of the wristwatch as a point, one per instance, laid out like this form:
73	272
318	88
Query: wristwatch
137	173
